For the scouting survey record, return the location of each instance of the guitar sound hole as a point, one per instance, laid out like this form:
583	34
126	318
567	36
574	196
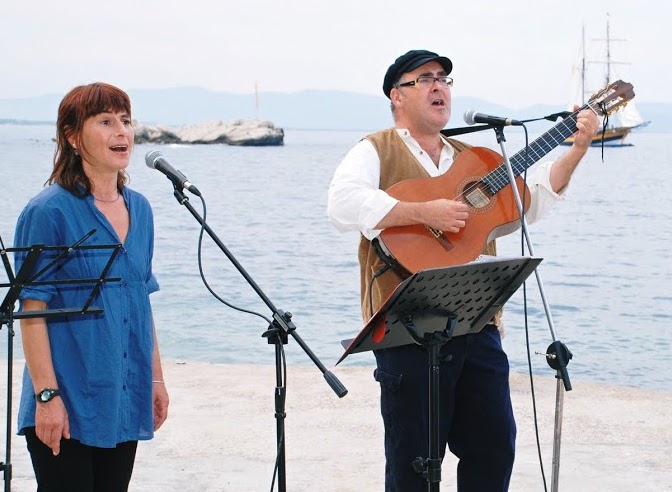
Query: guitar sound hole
476	195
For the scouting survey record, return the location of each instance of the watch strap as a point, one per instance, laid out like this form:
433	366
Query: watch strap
46	395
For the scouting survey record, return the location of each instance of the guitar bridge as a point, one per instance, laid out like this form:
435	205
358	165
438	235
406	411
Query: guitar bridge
435	232
441	238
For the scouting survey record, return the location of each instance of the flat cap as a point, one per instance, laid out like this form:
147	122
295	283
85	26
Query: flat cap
409	62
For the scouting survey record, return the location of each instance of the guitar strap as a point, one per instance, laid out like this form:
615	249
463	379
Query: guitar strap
389	261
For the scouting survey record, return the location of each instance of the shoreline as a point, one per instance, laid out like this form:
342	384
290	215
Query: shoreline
221	434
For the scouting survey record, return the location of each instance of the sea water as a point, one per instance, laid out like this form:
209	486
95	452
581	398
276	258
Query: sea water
606	269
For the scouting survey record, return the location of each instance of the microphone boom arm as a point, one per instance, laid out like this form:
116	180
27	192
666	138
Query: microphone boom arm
280	318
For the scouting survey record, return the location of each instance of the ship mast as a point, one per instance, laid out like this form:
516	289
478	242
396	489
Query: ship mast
583	65
608	62
608	70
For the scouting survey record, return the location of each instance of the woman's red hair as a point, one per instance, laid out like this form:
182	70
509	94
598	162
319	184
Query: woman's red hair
77	106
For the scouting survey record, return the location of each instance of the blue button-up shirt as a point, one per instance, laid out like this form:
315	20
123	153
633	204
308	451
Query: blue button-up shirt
103	363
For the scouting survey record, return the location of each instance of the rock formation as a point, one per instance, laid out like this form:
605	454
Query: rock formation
240	132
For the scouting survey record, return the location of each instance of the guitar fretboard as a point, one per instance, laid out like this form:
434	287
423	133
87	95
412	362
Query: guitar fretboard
498	178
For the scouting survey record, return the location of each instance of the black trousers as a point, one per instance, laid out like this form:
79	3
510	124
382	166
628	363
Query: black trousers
476	416
81	468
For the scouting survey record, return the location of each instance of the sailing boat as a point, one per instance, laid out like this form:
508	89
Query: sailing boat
628	117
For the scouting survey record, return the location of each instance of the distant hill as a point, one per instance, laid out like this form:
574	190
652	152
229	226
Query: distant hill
310	109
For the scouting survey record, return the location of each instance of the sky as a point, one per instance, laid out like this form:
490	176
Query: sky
515	53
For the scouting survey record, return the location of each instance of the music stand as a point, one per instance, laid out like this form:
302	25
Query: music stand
26	277
433	306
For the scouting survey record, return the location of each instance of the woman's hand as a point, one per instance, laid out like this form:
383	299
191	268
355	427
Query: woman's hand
52	424
160	404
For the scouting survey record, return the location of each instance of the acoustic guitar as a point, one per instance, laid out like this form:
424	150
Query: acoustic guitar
479	179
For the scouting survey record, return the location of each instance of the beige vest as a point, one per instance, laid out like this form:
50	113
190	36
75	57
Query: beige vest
397	163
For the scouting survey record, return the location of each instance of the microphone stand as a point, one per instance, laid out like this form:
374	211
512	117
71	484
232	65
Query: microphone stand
557	354
277	334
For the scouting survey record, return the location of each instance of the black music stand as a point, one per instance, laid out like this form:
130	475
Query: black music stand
433	306
27	276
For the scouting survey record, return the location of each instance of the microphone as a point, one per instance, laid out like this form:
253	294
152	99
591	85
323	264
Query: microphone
471	117
155	160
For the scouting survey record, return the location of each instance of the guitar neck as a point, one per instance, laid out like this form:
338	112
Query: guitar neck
498	178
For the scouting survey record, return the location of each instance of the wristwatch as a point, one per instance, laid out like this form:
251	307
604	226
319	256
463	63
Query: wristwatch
46	395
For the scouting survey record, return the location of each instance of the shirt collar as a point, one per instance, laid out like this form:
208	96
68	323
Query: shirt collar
447	152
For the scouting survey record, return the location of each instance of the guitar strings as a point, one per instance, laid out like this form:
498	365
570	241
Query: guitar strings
499	176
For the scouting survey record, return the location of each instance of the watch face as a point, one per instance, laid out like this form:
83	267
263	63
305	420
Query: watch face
46	395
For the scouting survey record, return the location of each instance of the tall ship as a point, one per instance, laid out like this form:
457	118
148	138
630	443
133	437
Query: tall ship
596	69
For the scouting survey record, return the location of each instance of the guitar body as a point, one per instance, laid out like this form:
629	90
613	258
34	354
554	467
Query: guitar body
418	247
478	178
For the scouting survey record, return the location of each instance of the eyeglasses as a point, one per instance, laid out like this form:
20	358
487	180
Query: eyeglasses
428	80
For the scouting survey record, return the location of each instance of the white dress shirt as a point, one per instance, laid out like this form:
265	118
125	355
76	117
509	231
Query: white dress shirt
356	203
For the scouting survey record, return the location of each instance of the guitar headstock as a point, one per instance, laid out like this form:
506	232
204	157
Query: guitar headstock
614	96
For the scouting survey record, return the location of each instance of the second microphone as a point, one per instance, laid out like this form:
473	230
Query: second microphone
155	160
471	117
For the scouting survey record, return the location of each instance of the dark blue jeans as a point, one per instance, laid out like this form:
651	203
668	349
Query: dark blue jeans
476	417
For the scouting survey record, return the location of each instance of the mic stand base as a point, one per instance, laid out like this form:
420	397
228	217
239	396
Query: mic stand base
278	337
558	356
557	433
